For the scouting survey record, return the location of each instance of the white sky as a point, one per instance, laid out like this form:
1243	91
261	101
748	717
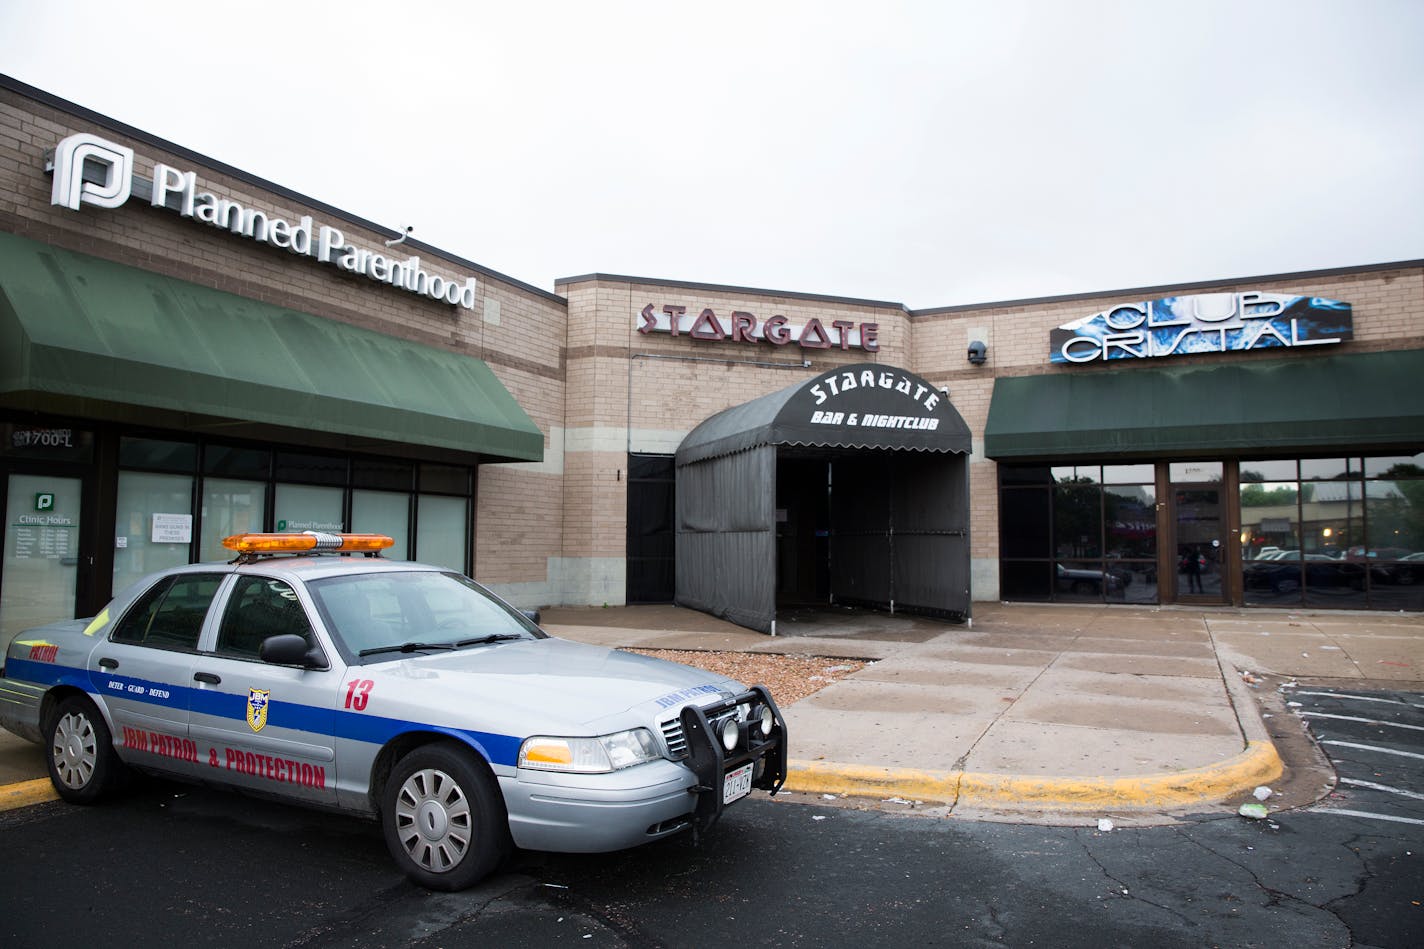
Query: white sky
930	153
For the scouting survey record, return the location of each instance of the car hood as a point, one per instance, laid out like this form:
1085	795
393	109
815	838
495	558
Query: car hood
555	682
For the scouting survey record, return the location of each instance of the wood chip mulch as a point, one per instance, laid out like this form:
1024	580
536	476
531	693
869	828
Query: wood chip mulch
790	678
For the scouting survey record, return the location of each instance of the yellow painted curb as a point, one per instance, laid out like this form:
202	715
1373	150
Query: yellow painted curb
25	793
1257	764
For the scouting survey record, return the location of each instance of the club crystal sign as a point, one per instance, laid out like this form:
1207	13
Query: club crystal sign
1205	323
94	171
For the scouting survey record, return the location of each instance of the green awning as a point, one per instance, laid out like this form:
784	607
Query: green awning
1320	402
81	334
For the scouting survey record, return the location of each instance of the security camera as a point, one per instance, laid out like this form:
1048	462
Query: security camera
978	353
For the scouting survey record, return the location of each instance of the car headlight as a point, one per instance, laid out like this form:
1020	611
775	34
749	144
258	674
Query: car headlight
589	755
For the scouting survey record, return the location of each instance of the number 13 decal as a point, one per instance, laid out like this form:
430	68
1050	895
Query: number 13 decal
358	693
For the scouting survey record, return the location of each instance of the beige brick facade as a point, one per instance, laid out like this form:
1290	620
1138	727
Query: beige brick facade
555	531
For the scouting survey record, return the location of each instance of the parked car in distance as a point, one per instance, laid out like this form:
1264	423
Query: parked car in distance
1083	580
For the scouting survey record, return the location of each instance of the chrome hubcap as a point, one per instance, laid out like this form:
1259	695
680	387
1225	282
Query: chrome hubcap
433	820
75	751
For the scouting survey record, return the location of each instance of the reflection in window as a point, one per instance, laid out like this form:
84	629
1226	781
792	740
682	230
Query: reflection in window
143	546
230	507
442	537
1077	521
383	512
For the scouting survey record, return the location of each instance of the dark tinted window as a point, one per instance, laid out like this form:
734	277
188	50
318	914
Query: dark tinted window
444	479
260	607
170	615
383	475
155	455
250	463
310	469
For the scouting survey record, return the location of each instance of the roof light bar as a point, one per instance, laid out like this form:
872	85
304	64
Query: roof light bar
306	540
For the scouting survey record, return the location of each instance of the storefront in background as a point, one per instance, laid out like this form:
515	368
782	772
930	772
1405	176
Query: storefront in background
1205	468
187	350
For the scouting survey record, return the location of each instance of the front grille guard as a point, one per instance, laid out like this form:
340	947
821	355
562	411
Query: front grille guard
709	761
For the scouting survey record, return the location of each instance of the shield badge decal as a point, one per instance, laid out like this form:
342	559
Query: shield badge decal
257	708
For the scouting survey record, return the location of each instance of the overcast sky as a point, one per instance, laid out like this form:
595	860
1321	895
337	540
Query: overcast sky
930	153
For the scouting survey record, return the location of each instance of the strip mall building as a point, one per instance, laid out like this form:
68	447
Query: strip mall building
188	351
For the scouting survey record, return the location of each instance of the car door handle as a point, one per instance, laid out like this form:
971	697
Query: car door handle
212	678
107	663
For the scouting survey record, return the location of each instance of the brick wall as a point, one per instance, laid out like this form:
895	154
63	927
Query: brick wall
519	333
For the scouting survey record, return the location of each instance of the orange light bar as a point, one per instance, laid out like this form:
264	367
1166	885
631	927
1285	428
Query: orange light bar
308	540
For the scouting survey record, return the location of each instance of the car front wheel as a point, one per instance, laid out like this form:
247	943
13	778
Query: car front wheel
82	763
443	817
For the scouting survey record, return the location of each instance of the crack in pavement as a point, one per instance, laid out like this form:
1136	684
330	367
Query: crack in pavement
1128	892
1276	896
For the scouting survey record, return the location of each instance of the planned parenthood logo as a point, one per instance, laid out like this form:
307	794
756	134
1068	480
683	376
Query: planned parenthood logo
95	171
71	190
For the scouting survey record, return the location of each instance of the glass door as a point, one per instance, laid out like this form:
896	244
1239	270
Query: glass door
1199	522
39	575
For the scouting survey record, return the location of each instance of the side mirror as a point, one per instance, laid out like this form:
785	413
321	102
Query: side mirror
289	649
531	615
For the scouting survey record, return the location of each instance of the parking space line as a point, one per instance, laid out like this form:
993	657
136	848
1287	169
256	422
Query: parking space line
1382	787
1367	721
1383	751
1367	814
1357	698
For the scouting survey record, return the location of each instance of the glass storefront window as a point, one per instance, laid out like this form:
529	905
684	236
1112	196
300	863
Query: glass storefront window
153	527
1025	521
442	538
41	563
1077	474
383	475
254	463
157	455
310	469
1129	474
230	506
1395	466
1270	520
1077	521
301	507
1130	520
1287	470
1329	469
1195	472
445	479
1396	525
383	512
1332	515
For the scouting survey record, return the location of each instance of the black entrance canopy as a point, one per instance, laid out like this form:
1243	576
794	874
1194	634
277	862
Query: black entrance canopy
897	536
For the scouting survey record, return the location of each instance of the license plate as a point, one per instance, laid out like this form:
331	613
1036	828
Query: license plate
737	784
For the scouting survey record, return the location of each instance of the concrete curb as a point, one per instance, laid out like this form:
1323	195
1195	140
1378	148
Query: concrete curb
25	793
1257	764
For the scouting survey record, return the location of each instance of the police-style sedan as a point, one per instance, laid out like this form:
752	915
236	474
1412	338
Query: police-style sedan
394	690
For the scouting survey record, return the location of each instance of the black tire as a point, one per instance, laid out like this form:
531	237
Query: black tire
444	819
1084	587
83	766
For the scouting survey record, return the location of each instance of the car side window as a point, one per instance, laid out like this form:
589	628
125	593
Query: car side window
170	614
260	607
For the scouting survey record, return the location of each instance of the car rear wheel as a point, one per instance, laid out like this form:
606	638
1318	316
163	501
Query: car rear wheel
443	817
82	763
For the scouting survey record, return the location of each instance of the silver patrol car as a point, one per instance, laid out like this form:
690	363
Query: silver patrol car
394	690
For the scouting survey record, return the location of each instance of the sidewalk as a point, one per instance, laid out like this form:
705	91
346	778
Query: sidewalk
1040	711
1050	710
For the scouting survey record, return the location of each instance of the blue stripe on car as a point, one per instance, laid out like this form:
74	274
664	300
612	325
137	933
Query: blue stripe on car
356	726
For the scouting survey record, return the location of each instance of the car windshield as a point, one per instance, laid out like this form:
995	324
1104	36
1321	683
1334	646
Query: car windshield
405	612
